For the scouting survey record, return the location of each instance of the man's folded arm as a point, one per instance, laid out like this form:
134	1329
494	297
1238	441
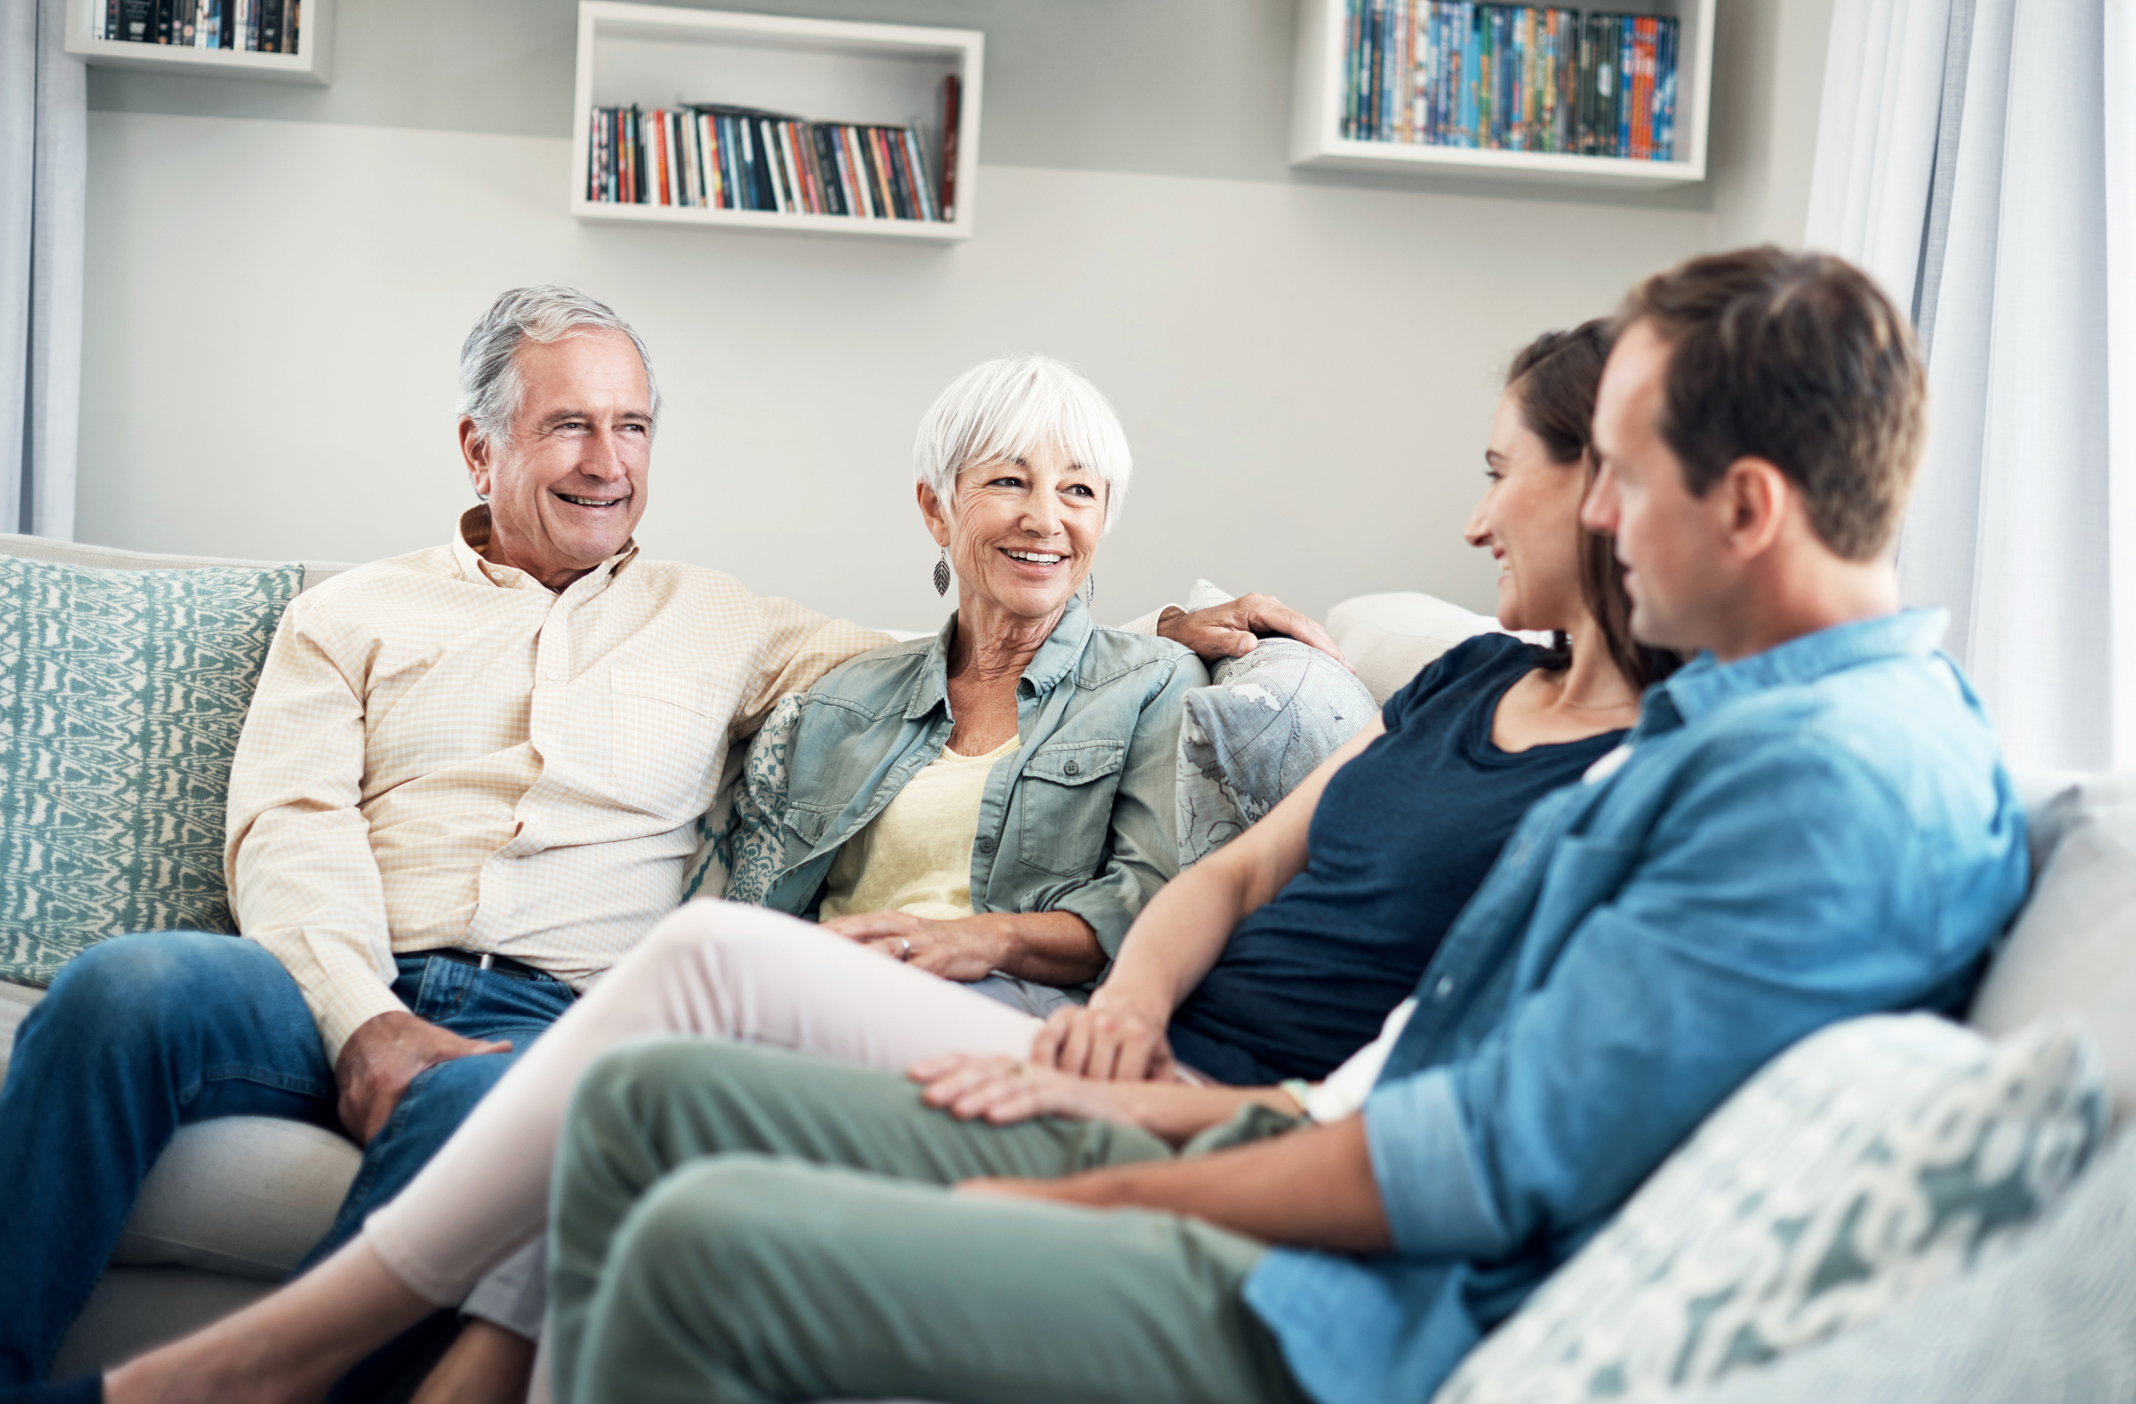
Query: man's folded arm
303	882
1744	927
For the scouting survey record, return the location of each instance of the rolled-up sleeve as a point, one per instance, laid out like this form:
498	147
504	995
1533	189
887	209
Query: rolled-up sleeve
1430	1185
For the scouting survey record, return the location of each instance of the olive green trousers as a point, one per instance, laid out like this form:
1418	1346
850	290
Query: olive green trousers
738	1223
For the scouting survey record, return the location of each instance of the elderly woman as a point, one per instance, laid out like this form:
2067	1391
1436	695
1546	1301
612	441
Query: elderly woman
995	804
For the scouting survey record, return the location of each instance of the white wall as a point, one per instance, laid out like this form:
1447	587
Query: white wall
279	279
1306	372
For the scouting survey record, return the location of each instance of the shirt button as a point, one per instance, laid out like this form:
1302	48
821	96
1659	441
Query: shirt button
552	675
1071	769
1444	988
985	845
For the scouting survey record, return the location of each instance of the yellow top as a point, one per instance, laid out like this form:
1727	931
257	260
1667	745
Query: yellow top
916	856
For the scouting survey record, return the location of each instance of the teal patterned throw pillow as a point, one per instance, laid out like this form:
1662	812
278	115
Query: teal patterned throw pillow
1857	1171
121	696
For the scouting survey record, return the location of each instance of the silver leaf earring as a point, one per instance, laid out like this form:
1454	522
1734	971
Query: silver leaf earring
941	573
1090	587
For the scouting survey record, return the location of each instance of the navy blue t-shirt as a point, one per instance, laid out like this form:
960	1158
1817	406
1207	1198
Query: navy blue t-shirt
1402	837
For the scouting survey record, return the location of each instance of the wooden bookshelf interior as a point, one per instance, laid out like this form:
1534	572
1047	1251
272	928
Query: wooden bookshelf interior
1317	104
312	63
821	70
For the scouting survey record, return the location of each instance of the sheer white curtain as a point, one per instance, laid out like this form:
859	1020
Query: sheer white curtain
1974	155
43	184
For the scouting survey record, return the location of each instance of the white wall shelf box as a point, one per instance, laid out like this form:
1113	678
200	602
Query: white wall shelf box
822	70
312	63
1317	104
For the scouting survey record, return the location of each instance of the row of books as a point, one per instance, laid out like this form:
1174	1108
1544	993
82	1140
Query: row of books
711	156
1511	78
255	26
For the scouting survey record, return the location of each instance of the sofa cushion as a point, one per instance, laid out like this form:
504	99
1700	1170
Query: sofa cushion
245	1195
1269	718
121	696
1865	1165
16	1002
2073	948
44	548
1390	638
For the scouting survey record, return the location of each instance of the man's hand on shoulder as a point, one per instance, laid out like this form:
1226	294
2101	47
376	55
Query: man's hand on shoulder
1232	630
383	1056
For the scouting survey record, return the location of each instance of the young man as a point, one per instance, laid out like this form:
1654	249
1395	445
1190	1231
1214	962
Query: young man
1810	822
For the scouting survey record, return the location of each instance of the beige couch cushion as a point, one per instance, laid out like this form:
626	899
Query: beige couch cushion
246	1195
15	1002
39	548
2073	949
1389	639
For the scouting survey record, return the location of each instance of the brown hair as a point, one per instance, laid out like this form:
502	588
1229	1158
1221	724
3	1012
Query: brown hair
1798	359
1556	376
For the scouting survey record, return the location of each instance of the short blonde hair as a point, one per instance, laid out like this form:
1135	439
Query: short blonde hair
1006	409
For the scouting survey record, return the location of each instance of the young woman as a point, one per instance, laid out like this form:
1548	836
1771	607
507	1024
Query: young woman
1303	933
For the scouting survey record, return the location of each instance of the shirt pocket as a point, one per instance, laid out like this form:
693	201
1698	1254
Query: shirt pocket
1582	874
1064	805
662	731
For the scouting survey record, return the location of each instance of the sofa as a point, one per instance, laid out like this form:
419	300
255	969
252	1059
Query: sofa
234	1204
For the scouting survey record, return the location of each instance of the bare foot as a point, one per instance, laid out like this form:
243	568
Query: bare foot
287	1348
487	1365
213	1367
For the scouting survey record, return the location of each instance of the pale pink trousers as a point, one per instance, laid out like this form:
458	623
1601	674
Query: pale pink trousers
713	969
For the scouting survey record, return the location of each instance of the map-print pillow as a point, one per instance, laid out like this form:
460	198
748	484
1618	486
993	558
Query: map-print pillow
1248	740
121	696
1862	1167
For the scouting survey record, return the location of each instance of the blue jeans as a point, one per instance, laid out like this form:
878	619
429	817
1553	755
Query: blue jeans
144	1034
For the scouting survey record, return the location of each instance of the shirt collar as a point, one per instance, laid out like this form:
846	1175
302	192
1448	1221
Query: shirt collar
1705	683
473	538
1055	658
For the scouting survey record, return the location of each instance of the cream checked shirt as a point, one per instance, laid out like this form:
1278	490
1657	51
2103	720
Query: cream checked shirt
444	752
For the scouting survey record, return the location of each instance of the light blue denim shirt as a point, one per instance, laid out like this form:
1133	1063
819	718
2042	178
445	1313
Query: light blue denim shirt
1082	818
1810	833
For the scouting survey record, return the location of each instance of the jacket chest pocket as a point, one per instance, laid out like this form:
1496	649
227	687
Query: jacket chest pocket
662	733
1064	805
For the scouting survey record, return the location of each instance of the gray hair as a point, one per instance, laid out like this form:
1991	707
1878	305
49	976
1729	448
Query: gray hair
1003	410
490	385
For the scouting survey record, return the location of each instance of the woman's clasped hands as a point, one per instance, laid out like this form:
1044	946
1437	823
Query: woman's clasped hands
961	948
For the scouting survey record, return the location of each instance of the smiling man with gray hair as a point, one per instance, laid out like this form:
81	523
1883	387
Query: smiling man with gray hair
469	782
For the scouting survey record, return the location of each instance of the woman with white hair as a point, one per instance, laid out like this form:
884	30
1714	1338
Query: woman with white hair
995	804
988	809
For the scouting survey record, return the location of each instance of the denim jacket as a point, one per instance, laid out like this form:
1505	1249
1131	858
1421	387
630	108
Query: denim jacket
1811	833
1081	818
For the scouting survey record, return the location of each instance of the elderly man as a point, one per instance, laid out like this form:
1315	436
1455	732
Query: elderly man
469	783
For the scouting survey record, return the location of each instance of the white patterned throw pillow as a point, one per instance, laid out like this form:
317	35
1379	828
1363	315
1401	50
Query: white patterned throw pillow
1862	1167
1246	741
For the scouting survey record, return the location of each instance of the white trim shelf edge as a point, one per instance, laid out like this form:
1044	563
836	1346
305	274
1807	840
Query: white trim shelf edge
924	230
